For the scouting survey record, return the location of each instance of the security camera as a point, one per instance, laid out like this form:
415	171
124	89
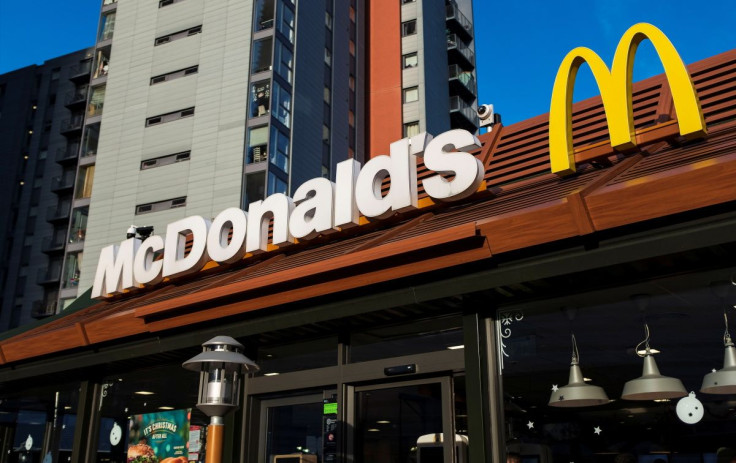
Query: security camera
131	232
144	232
487	116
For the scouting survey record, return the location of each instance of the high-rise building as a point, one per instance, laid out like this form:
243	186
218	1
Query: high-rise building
42	112
216	104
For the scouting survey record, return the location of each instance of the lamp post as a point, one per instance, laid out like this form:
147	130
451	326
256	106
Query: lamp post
220	365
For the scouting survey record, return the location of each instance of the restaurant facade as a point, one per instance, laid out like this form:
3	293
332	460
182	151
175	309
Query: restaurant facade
452	321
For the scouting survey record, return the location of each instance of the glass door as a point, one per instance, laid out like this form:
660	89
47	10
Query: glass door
405	422
294	429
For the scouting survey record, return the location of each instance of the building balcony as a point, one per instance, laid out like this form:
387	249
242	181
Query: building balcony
458	22
43	309
77	234
50	276
53	245
58	213
76	98
462	83
67	155
462	115
62	184
80	72
459	53
72	126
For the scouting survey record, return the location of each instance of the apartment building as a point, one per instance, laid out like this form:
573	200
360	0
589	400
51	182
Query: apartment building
209	105
42	113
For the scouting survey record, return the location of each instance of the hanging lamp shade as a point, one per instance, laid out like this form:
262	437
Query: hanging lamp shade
651	385
577	393
722	381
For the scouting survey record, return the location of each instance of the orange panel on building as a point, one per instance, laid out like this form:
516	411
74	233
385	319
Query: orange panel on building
384	75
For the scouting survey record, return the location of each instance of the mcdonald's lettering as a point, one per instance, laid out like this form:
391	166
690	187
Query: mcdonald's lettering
615	87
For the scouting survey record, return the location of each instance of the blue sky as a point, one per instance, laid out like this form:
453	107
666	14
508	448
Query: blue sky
519	44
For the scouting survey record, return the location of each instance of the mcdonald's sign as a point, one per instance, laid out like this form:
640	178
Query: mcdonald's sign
615	87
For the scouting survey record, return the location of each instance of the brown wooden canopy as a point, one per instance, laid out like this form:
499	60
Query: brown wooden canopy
523	206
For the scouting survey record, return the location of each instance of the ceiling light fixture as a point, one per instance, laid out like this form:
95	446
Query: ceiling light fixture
576	393
144	392
723	381
651	385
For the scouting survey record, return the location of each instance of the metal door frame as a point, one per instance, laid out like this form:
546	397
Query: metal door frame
448	410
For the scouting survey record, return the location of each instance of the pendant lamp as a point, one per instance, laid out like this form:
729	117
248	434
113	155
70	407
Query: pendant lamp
577	393
651	385
723	381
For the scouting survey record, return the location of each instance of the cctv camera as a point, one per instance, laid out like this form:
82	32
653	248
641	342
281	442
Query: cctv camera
486	115
485	111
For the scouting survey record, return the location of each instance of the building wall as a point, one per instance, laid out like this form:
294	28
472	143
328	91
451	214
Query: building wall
211	179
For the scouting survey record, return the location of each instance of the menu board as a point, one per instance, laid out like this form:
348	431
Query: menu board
161	437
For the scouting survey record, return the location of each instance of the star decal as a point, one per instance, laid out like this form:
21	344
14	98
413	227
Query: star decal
597	430
555	388
714	370
530	424
562	397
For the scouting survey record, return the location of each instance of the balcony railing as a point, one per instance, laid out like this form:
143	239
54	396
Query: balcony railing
49	276
65	182
464	79
76	97
43	309
58	213
72	124
80	71
68	154
53	244
463	115
456	45
458	22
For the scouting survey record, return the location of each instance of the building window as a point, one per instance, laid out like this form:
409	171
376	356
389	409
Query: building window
78	229
85	178
411	94
257	144
106	27
282	105
328	57
168	117
276	185
351	82
409	28
327	95
261	60
411	60
328	20
174	75
161	205
286	22
70	275
279	150
177	35
165	160
96	101
404	2
163	3
102	63
284	61
264	15
255	188
411	129
260	98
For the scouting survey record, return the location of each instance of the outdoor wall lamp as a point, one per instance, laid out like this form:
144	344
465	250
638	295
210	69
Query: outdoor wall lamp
220	364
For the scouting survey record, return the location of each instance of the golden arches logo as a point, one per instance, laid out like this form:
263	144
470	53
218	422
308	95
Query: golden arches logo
615	87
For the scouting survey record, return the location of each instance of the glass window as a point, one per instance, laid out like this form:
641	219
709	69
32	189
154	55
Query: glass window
37	420
79	225
90	140
411	129
300	356
328	57
409	28
279	150
284	61
107	26
261	60
282	105
327	95
260	97
411	94
264	14
328	20
70	272
96	101
545	421
83	188
410	60
276	185
255	187
102	63
257	144
286	22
